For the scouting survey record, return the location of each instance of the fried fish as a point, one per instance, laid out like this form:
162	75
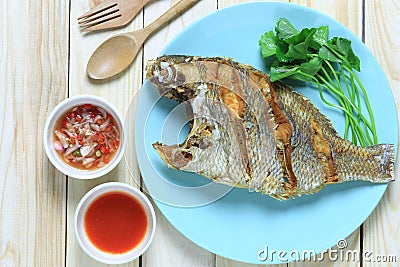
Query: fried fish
249	132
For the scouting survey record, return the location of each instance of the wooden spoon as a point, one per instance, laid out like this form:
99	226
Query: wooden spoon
117	53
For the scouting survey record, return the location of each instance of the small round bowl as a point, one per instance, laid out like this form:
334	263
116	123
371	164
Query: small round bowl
92	250
48	138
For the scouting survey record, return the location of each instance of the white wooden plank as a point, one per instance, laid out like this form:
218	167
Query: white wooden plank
381	230
33	78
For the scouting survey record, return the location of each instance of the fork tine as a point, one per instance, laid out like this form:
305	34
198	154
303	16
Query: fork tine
99	8
101	23
98	16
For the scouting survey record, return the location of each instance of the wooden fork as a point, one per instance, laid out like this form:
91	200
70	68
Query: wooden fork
110	14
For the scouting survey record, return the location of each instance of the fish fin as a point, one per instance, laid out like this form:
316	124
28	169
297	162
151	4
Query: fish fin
172	155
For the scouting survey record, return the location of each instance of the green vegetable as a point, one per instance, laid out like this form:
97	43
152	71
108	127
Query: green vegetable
329	64
77	153
98	153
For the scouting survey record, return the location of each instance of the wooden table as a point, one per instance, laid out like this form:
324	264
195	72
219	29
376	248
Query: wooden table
42	61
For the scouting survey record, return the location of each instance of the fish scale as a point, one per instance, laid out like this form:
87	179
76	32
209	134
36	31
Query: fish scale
256	134
374	163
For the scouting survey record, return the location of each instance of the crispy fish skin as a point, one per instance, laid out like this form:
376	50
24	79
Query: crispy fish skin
251	133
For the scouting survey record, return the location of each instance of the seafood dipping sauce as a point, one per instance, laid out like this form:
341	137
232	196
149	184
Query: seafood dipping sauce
86	137
115	222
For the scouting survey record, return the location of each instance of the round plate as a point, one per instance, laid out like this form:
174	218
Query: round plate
235	223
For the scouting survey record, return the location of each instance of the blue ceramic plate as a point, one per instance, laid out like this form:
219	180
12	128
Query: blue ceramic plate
238	224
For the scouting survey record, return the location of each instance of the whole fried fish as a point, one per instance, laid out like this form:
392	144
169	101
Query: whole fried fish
251	133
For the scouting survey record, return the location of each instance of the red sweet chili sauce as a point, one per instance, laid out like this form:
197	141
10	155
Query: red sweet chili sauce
115	222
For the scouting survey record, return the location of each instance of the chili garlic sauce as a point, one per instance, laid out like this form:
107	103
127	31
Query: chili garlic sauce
115	223
86	137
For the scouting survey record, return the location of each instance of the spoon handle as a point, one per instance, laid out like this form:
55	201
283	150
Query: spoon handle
170	14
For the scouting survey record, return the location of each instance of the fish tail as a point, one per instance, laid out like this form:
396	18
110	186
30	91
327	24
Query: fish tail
374	164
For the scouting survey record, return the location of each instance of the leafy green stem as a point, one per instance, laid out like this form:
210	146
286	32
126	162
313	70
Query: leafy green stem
363	139
367	103
339	94
345	103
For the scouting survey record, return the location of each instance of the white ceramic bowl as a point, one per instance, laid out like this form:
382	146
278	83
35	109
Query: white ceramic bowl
48	138
81	235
